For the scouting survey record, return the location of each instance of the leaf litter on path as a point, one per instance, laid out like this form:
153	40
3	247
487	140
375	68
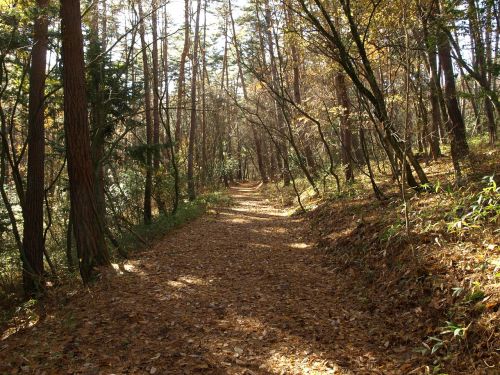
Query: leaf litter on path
242	291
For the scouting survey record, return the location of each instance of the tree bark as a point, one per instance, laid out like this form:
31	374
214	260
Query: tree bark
156	113
204	76
256	138
480	65
98	114
280	121
345	130
435	150
88	232
194	119
33	241
166	122
290	24
181	85
456	125
148	186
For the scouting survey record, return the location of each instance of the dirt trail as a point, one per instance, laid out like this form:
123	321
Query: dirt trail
239	291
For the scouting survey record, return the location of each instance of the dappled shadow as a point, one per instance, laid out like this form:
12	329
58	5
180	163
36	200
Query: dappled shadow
240	291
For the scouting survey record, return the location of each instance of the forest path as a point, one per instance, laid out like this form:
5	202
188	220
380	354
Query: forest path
239	291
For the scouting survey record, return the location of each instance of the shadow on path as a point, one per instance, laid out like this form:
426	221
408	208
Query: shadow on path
241	291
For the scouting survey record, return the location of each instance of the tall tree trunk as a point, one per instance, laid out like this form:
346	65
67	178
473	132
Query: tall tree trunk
280	121
170	140
156	113
98	114
256	138
280	99
181	85
345	130
456	125
204	76
480	62
148	187
33	242
88	232
290	25
221	120
433	92
194	119
267	146
104	24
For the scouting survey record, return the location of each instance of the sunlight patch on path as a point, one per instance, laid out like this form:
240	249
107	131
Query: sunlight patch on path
237	291
300	245
303	362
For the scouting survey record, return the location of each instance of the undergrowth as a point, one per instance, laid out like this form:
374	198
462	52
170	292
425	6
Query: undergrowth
476	209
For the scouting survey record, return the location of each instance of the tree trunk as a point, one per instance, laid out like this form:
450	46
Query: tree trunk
98	115
148	186
257	141
204	76
194	119
433	93
345	130
290	25
456	125
156	113
88	232
280	121
480	65
181	86
173	156
33	241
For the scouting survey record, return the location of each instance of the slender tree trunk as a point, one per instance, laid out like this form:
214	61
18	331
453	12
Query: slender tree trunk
345	130
256	138
221	120
480	62
283	148
204	76
272	166
290	24
194	119
267	147
433	93
156	114
98	115
33	242
456	125
104	24
166	121
285	112
69	244
378	193
181	85
88	232
148	187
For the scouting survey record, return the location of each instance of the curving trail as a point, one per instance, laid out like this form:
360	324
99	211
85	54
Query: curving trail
240	291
